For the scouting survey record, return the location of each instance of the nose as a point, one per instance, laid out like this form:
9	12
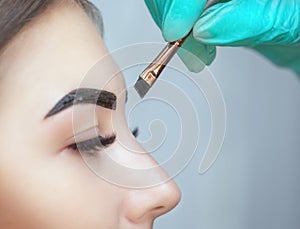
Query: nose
146	205
152	192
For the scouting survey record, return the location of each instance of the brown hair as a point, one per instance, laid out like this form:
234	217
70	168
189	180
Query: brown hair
14	15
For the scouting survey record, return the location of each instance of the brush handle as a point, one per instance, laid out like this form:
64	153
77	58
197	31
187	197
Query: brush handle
152	72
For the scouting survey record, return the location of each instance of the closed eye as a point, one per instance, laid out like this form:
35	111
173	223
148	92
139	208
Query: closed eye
93	145
98	143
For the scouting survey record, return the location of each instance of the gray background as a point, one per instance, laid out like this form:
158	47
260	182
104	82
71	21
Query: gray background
255	181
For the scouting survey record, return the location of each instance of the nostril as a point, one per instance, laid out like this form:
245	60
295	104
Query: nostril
156	212
159	210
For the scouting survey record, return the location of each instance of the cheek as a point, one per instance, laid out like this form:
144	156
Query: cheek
61	193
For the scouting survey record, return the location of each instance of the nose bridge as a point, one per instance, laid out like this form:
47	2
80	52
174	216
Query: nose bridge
148	203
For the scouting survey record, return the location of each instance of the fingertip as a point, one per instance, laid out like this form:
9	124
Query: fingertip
196	55
214	22
203	28
192	64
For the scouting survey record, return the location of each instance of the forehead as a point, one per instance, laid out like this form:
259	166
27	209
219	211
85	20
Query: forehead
53	53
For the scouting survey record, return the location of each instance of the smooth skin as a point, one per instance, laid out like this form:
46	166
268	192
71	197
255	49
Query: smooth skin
271	27
43	184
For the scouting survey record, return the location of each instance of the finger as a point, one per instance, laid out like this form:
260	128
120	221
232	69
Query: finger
196	55
235	23
156	9
179	17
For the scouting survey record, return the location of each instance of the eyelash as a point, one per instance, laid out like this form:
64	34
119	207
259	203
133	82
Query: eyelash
94	144
98	143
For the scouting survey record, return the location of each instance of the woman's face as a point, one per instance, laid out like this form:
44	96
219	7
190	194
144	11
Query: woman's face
44	182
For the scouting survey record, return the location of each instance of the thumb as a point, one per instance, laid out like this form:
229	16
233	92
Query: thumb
233	23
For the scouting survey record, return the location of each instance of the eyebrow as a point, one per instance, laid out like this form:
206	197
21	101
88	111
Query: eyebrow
102	98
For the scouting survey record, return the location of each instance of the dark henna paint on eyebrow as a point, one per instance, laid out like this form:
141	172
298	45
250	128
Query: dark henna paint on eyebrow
102	98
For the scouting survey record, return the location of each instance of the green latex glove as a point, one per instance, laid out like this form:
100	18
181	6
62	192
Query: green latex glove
271	27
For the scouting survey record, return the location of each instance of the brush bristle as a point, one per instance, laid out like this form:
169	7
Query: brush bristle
142	87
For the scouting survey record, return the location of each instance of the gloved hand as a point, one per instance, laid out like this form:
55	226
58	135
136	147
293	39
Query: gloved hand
271	27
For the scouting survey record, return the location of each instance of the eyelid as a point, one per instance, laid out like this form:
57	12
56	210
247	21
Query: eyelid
90	133
94	144
84	135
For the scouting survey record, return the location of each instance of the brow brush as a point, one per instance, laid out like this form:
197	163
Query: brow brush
148	77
